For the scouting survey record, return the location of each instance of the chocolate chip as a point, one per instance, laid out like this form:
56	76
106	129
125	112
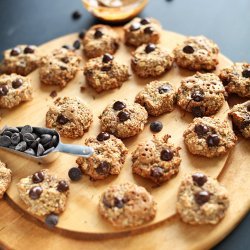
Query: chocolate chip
213	140
62	120
202	197
148	30
15	138
167	155
164	89
38	177
245	123
103	136
134	26
67	47
62	186
246	73
15	51
17	83
123	116
40	150
119	105
81	35
118	203
197	111
149	48
35	192
28	50
201	130
103	168
5	141
4	90
8	133
51	220
156	126
107	58
156	172
77	44
197	96
199	179
106	68
63	68
21	146
26	129
188	49
53	94
12	129
65	59
45	138
49	150
34	144
98	34
28	137
145	21
76	15
75	174
54	140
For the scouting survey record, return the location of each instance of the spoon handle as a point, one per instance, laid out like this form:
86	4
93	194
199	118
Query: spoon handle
79	150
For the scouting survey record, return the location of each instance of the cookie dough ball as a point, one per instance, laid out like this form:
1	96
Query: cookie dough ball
158	97
142	30
151	60
201	94
127	205
100	39
22	60
14	89
236	79
108	158
44	193
209	137
201	200
69	116
59	67
5	178
104	73
197	53
156	159
123	119
240	115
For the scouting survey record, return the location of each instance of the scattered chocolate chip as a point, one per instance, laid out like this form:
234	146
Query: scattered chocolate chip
51	220
5	141
167	155
149	30
62	120
45	138
156	126
202	197
38	177
145	21
77	44
4	90
199	178
213	140
107	58
149	48
62	186
98	34
26	129
28	50
81	35
53	94
197	111
188	49
164	89
67	47
15	51
49	150
123	116
28	137
118	105
40	150
17	83
134	26
103	168
15	138
76	15
246	73
156	172
118	203
103	136
197	96
21	146
201	130
35	192
106	68
75	174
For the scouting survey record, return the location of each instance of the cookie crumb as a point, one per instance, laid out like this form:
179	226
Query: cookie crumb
53	94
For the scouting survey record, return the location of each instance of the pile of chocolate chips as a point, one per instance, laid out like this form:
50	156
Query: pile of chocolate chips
32	141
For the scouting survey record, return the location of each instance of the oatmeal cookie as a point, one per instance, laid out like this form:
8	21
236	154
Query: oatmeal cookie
5	178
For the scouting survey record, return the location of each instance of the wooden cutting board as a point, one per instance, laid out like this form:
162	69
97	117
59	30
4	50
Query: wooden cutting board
81	218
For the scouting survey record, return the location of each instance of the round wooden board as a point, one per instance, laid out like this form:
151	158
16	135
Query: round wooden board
81	217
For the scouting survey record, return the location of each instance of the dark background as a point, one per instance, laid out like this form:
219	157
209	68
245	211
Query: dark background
227	22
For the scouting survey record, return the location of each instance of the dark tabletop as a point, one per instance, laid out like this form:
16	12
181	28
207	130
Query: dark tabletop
224	21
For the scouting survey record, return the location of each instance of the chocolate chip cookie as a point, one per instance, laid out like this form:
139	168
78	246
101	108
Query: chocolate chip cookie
209	137
197	53
236	79
151	60
240	115
156	159
5	178
142	30
108	159
44	193
104	73
69	116
100	39
201	94
123	119
158	97
59	67
127	205
201	200
22	60
14	89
